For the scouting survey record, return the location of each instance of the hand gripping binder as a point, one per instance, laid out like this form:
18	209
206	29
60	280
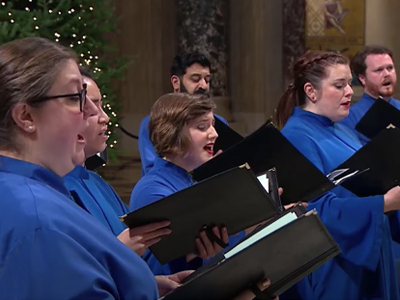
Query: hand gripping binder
235	199
284	254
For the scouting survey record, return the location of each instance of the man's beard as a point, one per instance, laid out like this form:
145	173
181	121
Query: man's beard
199	91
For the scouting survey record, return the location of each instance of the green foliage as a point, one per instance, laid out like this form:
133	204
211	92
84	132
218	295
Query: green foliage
85	26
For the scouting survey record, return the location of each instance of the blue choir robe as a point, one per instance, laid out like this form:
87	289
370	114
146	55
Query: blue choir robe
365	267
146	148
97	197
358	110
164	179
52	249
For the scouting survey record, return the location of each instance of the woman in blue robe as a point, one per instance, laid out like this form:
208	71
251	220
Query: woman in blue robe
50	248
95	195
182	132
308	112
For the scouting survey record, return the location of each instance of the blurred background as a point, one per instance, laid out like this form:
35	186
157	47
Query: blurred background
251	44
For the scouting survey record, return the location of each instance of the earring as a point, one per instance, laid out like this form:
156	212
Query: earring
30	128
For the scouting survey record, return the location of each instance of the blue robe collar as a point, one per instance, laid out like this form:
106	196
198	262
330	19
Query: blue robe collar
175	170
369	100
79	172
33	171
299	112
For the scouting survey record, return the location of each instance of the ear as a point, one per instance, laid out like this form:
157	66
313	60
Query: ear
362	79
22	117
310	91
176	83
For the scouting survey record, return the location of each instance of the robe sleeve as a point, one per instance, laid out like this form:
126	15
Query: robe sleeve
147	191
146	148
355	223
49	264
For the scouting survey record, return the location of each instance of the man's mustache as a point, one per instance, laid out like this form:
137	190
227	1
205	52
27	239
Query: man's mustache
201	91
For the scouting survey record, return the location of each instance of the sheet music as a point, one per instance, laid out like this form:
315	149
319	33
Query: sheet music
286	219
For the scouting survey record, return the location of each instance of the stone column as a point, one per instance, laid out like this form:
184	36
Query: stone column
294	17
202	26
256	60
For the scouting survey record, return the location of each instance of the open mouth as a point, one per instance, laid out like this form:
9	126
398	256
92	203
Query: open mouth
209	148
81	139
346	104
387	83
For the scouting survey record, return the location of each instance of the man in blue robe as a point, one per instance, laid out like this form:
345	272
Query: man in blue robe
374	68
190	73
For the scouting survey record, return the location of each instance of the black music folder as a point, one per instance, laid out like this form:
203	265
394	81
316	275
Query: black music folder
227	137
284	250
380	157
267	148
379	116
235	199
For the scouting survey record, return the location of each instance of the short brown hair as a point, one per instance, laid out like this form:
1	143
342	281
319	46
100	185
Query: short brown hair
28	69
358	65
168	118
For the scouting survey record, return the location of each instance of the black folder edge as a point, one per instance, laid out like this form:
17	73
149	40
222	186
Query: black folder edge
279	287
380	104
307	196
274	187
299	209
124	218
375	142
225	133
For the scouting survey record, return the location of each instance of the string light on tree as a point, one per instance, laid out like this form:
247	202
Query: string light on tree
65	22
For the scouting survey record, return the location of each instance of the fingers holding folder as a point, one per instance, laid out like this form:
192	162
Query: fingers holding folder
255	291
140	238
207	248
391	199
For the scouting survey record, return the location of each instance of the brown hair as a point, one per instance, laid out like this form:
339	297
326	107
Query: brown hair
28	69
311	67
168	118
358	65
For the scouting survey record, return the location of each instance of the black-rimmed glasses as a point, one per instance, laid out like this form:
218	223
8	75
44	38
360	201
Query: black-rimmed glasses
80	96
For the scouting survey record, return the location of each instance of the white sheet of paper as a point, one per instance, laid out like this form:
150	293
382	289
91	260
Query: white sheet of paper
286	219
263	179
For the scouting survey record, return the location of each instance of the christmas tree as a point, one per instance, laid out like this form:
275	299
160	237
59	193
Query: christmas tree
83	25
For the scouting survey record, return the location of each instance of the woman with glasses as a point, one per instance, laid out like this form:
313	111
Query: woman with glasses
50	248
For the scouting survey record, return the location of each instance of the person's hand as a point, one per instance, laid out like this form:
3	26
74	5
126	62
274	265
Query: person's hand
249	294
140	238
391	199
206	248
305	204
165	284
